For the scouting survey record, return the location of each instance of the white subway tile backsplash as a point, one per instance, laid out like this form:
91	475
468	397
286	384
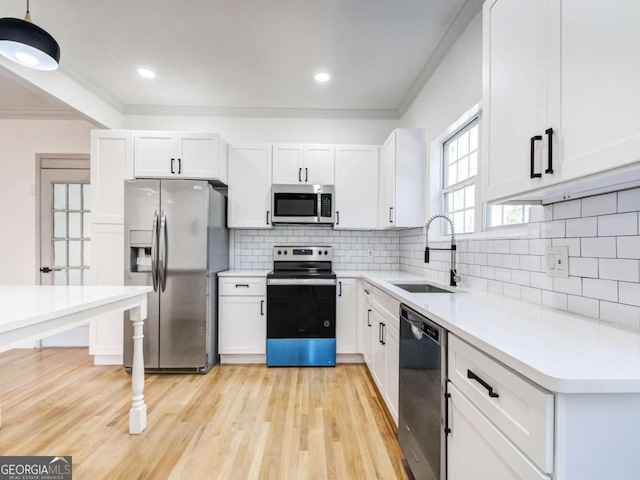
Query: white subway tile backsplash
601	289
619	269
582	227
619	224
541	213
602	247
533	295
519	246
572	243
540	280
629	247
511	290
520	277
511	261
629	200
539	246
629	293
531	262
554	300
620	314
599	205
553	229
588	307
583	267
572	285
503	274
570	209
494	259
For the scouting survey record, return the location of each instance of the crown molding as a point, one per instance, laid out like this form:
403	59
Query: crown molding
8	113
467	13
319	113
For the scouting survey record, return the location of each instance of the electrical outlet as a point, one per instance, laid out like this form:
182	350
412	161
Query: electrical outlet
370	252
557	261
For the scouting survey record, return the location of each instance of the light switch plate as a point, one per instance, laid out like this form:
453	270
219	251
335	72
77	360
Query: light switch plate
557	261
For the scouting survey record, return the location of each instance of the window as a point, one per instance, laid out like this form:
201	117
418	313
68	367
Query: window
503	215
460	165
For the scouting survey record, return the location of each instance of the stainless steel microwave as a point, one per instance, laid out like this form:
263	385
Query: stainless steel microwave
311	204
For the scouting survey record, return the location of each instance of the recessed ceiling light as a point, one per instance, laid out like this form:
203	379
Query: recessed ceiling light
322	77
146	73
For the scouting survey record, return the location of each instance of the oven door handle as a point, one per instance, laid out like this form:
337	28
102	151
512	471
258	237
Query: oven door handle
302	281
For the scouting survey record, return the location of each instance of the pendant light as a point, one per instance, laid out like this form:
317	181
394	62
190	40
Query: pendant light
27	44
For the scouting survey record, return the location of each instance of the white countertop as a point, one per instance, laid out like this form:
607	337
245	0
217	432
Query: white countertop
560	351
244	273
25	305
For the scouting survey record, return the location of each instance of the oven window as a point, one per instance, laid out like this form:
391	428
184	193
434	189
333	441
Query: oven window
301	311
295	205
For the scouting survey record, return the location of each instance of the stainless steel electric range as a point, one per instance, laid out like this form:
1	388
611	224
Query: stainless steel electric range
301	308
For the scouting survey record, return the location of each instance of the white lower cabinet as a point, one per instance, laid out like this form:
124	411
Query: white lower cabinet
477	450
346	316
242	319
368	329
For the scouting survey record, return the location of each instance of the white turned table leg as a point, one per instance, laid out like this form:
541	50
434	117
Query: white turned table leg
138	411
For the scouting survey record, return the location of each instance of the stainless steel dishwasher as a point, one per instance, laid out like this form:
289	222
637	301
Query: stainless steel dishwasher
422	411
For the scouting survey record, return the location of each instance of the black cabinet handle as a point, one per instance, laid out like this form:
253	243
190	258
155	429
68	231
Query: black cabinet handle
179	165
49	270
390	214
300	174
268	212
379	332
238	285
368	317
306	174
549	132
340	293
337	218
534	139
489	388
384	334
262	307
172	171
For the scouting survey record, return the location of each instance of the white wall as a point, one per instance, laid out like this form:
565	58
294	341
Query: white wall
20	141
273	130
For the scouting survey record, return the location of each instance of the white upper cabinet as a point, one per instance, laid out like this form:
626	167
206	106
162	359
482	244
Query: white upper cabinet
356	190
249	202
560	96
402	179
298	164
180	155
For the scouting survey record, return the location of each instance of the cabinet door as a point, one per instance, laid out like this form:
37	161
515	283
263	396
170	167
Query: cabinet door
111	164
514	95
199	155
249	202
319	165
156	154
600	98
477	449
242	325
288	165
368	335
378	359
356	192
391	338
346	316
387	217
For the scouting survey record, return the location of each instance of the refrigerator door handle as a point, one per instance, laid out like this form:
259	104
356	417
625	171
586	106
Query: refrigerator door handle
154	251
163	251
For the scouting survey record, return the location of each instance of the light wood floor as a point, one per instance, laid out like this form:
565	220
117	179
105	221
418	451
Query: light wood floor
237	422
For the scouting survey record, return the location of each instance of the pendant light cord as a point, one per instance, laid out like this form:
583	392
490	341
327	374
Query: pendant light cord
27	16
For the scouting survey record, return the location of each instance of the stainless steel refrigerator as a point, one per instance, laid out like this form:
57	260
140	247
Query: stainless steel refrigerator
176	240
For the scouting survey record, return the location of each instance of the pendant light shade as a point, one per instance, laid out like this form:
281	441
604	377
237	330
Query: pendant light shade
27	44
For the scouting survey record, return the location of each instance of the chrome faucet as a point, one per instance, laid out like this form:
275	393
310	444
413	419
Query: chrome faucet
453	276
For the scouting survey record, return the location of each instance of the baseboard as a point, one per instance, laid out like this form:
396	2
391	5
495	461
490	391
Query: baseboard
107	360
349	358
243	358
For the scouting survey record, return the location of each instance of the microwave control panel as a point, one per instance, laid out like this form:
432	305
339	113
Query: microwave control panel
325	205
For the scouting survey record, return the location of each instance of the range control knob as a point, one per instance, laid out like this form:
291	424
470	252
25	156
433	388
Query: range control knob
326	253
279	252
285	252
319	252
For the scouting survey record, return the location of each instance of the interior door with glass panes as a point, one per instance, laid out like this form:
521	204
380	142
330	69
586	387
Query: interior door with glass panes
65	229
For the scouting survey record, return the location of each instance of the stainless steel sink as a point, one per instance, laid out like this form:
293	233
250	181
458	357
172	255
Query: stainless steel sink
420	288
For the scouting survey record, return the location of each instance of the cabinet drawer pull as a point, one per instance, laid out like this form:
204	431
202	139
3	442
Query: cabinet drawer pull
489	388
340	293
306	174
390	214
268	212
384	334
379	332
300	174
368	317
262	307
172	170
337	218
238	285
549	132
179	165
534	139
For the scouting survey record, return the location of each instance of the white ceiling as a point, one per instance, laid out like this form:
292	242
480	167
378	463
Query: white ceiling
247	54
